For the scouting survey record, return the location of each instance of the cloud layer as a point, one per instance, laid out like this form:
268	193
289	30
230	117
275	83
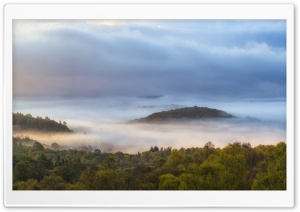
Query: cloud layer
91	58
133	138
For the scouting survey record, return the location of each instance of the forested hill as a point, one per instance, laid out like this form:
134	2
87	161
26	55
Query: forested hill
27	122
185	113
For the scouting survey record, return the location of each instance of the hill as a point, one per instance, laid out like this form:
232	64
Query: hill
187	113
28	122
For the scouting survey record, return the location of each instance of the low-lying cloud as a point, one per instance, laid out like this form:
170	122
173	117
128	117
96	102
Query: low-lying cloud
133	138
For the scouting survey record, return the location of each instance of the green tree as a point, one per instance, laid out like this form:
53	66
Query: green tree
43	165
274	178
234	176
211	176
55	146
110	162
168	182
70	172
109	180
175	158
30	184
53	183
88	177
24	170
76	186
37	146
190	179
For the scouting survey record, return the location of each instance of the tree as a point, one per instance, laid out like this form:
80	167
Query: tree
30	184
175	158
168	182
76	186
70	172
160	162
43	165
88	177
154	149
274	178
211	176
53	183
234	177
37	146
209	145
55	146
110	180
190	179
28	115
24	170
110	162
58	161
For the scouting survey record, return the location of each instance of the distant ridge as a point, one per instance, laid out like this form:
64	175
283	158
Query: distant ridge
151	96
187	113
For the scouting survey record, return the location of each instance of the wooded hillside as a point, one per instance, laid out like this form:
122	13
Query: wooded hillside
27	122
187	113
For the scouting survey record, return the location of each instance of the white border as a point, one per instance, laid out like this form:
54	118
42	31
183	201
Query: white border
147	198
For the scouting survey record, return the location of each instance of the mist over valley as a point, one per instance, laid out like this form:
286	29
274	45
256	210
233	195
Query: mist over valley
103	123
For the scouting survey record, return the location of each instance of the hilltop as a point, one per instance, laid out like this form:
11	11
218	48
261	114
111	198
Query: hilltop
187	113
28	122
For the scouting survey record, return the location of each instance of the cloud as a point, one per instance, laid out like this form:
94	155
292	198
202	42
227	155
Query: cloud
102	58
103	122
133	138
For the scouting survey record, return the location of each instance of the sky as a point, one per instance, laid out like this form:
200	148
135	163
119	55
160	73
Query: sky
96	58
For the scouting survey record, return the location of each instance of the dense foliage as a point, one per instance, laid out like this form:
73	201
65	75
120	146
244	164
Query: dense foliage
238	166
27	122
186	113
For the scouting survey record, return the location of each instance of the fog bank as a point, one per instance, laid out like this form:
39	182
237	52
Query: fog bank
102	123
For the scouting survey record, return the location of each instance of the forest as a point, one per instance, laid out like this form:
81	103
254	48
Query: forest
237	166
28	122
